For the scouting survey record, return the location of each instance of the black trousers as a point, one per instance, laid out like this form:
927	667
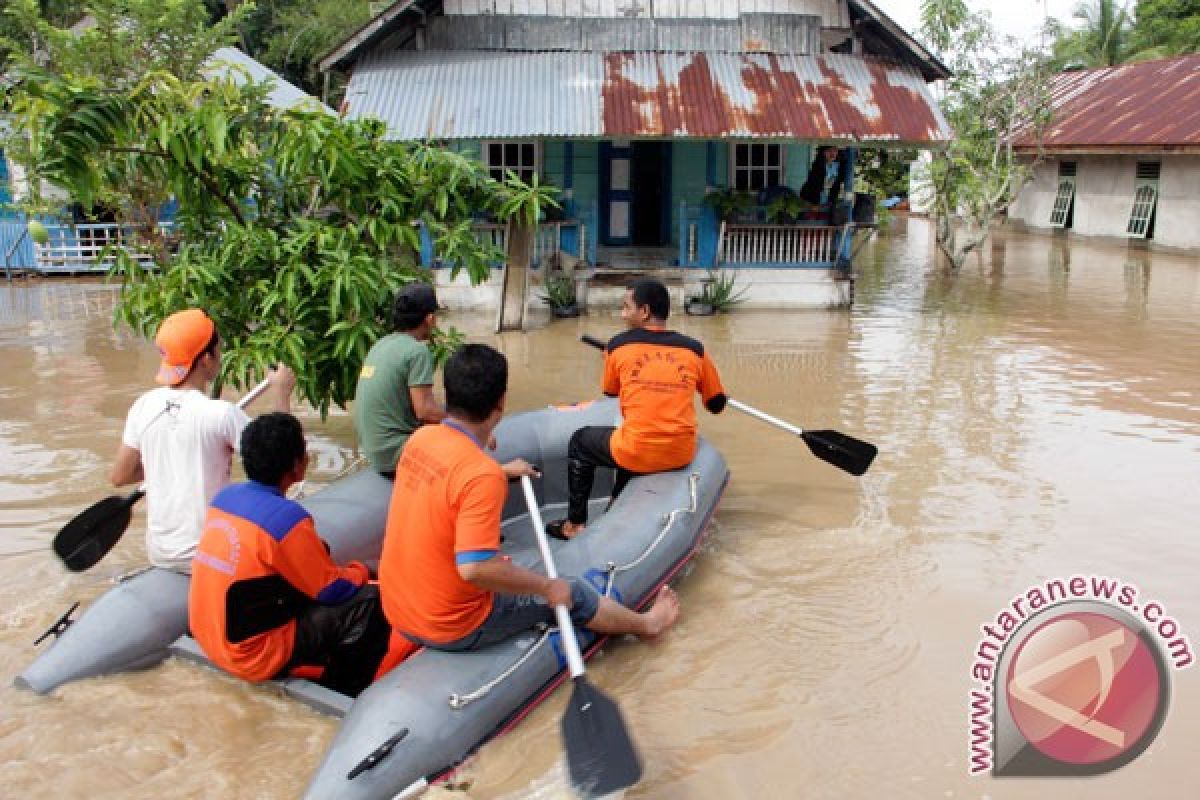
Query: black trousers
349	640
589	448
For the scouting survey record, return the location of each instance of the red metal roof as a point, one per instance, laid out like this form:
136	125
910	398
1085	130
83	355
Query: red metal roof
1152	105
504	95
711	95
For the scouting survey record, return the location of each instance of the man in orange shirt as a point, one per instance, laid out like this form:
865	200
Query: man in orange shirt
442	578
266	598
655	372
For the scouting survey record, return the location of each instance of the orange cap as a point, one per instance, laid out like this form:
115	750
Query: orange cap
181	338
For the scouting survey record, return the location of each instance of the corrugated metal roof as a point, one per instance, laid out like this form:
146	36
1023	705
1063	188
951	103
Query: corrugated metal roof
1152	104
503	95
281	94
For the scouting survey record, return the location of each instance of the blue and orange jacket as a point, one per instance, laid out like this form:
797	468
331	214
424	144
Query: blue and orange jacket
259	564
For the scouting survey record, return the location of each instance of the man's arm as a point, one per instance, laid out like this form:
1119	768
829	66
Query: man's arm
498	574
280	382
127	467
610	384
303	560
425	406
710	386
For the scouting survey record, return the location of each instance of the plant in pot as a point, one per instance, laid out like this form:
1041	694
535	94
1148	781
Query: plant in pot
786	209
560	295
730	205
719	292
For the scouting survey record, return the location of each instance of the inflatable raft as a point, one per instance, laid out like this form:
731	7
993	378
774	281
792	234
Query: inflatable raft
417	723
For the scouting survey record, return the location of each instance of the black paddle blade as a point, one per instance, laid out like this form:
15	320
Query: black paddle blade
87	538
601	758
845	452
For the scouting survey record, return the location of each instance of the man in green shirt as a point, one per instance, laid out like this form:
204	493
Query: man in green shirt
395	388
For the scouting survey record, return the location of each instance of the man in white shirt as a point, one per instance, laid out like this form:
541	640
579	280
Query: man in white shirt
180	442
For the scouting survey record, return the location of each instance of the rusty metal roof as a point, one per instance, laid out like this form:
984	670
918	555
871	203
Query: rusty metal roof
506	95
1145	106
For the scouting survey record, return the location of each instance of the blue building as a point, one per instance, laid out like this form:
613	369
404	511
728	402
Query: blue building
647	113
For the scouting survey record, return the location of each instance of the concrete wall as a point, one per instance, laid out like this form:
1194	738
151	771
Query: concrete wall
1104	187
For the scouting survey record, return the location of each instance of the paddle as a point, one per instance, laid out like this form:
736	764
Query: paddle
844	452
601	758
90	535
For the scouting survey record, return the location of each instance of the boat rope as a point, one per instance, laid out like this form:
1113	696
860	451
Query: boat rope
297	492
612	569
458	701
133	573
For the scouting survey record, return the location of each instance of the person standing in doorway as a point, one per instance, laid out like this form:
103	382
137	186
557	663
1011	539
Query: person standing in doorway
824	184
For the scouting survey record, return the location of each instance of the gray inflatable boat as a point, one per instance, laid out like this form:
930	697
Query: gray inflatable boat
416	724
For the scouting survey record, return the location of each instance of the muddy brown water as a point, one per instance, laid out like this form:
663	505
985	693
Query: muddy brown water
1037	416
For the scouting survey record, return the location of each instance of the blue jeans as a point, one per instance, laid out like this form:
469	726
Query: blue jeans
513	614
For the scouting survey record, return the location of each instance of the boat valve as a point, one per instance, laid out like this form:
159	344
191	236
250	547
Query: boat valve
377	755
59	627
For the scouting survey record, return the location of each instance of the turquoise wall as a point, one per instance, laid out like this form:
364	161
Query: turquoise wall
797	158
689	170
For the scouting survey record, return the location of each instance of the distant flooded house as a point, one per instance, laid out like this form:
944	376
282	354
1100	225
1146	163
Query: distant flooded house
84	244
639	111
1122	155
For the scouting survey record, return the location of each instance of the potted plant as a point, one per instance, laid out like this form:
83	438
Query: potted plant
730	205
560	295
718	292
787	208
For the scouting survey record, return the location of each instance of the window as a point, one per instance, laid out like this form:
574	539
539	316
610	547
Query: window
757	166
1060	215
519	157
1145	199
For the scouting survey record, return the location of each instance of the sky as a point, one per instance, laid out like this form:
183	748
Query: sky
1015	17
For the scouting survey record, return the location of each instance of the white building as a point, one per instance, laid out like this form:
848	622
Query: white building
1121	155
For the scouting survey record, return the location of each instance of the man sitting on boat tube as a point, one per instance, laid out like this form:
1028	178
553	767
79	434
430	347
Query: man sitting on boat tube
266	599
394	395
442	578
656	373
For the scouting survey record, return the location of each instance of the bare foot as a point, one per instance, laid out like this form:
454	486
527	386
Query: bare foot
662	615
571	530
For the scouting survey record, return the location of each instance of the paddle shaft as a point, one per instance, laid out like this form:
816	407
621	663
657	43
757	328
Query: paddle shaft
565	626
765	417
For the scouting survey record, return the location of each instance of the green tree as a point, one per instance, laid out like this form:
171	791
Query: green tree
126	40
299	33
1101	37
1166	28
999	90
294	227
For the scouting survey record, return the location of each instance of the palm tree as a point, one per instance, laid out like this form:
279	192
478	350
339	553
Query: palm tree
1102	38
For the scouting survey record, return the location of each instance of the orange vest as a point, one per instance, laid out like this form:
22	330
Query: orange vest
258	566
445	510
655	373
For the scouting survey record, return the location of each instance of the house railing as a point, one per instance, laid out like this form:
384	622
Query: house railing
87	247
806	245
15	247
548	240
569	235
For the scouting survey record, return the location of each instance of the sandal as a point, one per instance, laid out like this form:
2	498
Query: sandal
555	529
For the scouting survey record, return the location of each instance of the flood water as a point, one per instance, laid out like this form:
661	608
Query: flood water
1037	416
